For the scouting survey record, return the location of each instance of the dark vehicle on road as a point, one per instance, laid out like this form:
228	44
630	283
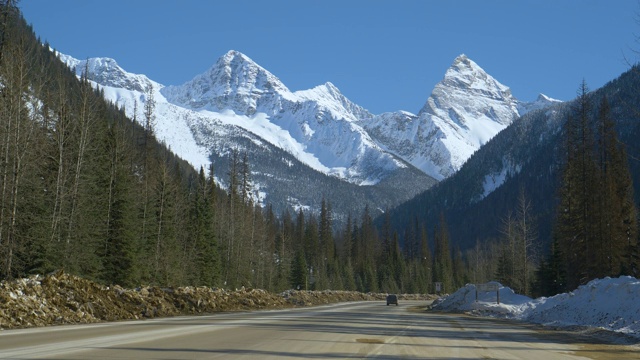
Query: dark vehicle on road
392	299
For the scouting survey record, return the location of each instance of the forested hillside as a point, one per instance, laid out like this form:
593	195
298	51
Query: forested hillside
82	187
86	190
503	205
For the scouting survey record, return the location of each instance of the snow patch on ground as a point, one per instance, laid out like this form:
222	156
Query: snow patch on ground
610	304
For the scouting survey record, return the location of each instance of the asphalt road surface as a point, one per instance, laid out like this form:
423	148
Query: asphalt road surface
343	331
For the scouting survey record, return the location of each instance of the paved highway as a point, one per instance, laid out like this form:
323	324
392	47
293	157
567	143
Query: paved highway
343	331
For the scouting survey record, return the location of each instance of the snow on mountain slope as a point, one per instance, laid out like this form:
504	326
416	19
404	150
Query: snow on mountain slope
319	126
329	97
237	99
107	72
465	110
235	82
173	124
182	129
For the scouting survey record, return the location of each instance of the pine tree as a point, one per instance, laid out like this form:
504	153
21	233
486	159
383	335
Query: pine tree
298	274
149	250
551	274
596	225
81	229
398	267
505	268
268	266
346	258
506	272
442	266
325	236
365	254
211	248
527	254
618	213
203	252
284	251
17	135
460	277
233	200
117	252
576	223
388	259
313	257
164	237
425	262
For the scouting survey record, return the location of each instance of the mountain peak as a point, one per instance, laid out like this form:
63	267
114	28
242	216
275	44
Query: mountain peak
464	73
235	55
236	64
462	62
542	102
464	111
466	80
461	59
234	82
327	88
543	97
329	97
329	85
106	72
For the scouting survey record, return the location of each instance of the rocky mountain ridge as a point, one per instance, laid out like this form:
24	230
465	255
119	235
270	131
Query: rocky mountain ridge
318	126
238	105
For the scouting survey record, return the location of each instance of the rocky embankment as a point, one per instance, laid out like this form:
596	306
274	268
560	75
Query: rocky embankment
61	298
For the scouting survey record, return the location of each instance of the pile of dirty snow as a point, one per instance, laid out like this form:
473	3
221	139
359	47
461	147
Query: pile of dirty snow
610	304
465	300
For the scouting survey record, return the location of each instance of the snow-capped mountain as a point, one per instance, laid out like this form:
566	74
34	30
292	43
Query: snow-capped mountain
465	110
542	102
107	72
317	126
387	158
302	145
236	82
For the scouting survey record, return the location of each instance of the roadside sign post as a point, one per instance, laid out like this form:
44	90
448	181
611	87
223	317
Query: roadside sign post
438	287
488	287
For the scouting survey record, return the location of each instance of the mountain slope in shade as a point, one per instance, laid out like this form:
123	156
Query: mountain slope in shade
526	159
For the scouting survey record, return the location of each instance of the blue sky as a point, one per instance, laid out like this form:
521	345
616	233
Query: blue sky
383	55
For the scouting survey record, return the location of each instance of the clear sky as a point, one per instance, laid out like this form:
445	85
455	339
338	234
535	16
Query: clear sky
383	55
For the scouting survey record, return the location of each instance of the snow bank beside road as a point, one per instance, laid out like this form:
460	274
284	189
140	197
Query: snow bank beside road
610	304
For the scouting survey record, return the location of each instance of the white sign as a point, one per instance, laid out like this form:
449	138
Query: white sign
487	287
